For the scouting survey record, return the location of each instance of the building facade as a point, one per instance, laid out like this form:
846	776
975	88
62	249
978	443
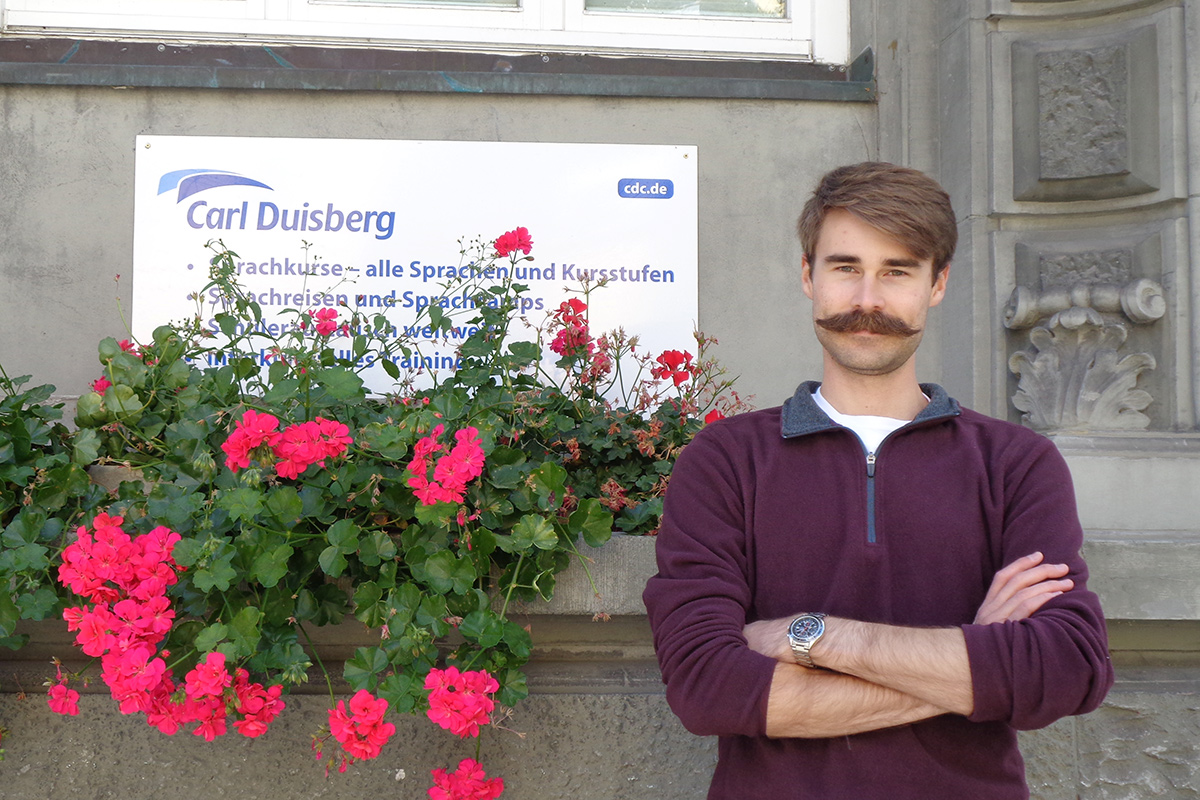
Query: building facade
1061	128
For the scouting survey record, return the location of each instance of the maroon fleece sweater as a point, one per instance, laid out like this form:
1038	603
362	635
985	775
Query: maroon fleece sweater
774	512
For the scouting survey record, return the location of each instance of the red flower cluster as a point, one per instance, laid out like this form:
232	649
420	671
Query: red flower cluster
572	338
126	579
468	782
253	431
512	241
713	416
452	472
297	447
674	365
326	321
310	443
459	701
362	733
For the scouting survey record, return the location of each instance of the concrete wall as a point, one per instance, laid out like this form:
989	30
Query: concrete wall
596	725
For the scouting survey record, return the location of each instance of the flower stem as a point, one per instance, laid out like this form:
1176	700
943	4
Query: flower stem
316	657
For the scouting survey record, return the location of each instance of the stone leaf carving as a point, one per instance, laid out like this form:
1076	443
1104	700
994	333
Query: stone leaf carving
1075	380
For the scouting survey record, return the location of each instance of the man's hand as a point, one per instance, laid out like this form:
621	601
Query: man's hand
770	637
1022	588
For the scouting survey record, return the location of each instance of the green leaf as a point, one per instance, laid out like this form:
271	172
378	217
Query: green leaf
90	410
285	505
218	573
244	633
436	513
402	690
536	531
174	506
450	405
211	636
375	548
25	557
507	476
525	352
550	480
447	573
38	605
484	627
592	521
519	642
123	402
85	446
362	671
323	605
281	392
187	552
270	566
343	535
341	383
367	608
332	562
241	503
9	614
387	440
513	688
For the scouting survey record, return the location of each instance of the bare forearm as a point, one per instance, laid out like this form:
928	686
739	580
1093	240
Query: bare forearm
813	704
930	664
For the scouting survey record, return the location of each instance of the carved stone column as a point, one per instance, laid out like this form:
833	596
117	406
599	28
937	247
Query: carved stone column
1089	205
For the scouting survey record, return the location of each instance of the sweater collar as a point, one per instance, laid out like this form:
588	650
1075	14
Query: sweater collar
802	416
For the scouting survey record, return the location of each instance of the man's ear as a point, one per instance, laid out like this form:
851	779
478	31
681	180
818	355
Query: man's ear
806	276
939	286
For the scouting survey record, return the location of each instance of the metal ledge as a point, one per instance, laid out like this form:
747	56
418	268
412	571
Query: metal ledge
69	62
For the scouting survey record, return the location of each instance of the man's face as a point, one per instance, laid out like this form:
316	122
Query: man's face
870	296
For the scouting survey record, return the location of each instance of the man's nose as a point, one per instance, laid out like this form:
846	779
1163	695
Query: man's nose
869	296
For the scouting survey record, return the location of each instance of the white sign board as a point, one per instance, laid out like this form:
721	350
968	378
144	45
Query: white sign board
376	224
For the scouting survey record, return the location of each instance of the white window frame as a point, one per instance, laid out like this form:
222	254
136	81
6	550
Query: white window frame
817	30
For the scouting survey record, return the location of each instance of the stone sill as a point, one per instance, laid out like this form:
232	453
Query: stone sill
87	62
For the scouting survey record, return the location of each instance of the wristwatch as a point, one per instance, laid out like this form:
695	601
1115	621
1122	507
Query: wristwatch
803	633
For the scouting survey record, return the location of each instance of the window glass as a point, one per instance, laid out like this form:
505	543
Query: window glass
774	9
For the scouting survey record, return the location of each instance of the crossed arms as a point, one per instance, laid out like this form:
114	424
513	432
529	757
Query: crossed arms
878	676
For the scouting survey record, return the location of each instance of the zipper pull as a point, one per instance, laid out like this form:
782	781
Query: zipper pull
870	465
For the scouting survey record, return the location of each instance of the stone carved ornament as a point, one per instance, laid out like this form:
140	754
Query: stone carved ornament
1075	378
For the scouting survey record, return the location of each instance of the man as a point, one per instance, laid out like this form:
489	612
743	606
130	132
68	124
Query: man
867	591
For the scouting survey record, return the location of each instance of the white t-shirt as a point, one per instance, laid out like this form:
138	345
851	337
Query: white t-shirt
871	430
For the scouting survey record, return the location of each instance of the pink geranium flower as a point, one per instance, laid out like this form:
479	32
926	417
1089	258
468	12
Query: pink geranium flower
468	782
63	700
254	430
362	731
326	320
674	365
512	241
460	701
451	472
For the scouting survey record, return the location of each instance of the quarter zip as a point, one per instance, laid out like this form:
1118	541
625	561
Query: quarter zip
870	498
801	416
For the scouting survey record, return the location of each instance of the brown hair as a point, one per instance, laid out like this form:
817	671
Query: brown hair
905	204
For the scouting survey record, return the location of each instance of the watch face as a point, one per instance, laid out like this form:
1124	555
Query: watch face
805	627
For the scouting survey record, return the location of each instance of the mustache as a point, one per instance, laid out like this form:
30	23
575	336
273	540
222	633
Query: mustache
868	321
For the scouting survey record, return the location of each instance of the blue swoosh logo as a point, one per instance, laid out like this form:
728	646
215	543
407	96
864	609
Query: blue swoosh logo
192	181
